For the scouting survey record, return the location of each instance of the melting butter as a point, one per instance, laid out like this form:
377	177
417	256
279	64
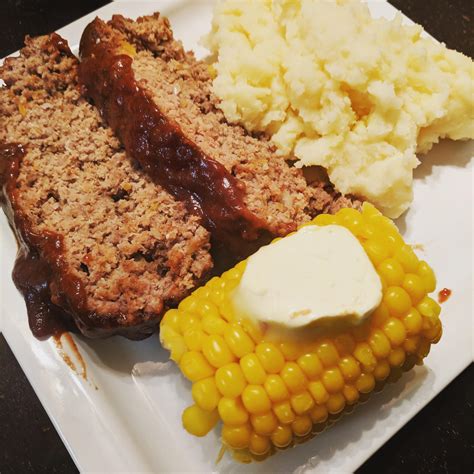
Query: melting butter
316	276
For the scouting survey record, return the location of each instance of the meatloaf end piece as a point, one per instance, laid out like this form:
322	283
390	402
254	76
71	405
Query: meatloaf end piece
102	247
157	97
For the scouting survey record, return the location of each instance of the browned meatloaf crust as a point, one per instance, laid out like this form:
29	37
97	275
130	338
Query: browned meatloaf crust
102	247
158	99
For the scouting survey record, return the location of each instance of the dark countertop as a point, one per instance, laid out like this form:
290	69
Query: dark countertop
439	439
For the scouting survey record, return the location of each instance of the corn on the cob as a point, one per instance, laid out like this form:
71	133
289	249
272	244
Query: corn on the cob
270	394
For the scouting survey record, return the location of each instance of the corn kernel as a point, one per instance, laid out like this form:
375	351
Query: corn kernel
291	350
301	402
238	340
259	445
345	344
252	369
397	300
276	388
174	342
351	219
187	321
333	380
195	367
199	422
212	325
284	412
230	380
397	357
413	322
253	330
336	403
392	272
351	394
411	344
327	353
319	414
293	377
433	333
282	436
365	383
216	351
265	424
380	315
376	251
405	255
379	344
350	368
189	304
325	219
205	394
270	357
363	353
194	338
395	331
423	348
237	437
382	370
205	307
302	425
310	365
171	319
217	296
414	286
428	307
427	275
226	309
256	400
232	411
318	392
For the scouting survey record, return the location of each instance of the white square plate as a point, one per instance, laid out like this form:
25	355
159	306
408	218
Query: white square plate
119	421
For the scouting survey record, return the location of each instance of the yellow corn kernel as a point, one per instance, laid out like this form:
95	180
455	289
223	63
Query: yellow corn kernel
270	357
427	275
205	394
237	437
199	422
350	368
282	436
238	340
397	300
407	258
327	353
189	304
392	272
379	344
216	351
363	353
302	425
345	344
423	348
252	369
206	308
411	344
217	296
333	380
433	333
201	294
291	350
127	48
325	219
226	309
413	322
310	365
376	251
253	330
380	315
195	367
265	424
256	400
351	394
230	380
395	331
319	414
276	388
351	219
318	392
174	342
336	403
194	338
232	411
259	445
397	357
414	286
294	377
284	412
171	319
212	325
382	370
429	308
187	321
365	383
301	402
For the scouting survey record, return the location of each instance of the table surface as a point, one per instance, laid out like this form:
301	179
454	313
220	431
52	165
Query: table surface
439	439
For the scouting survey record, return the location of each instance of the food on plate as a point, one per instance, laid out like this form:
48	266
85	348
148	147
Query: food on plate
102	248
334	87
157	98
276	366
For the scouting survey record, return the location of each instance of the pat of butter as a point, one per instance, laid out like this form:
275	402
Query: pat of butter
317	275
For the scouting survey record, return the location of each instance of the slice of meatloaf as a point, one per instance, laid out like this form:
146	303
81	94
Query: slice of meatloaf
101	246
158	99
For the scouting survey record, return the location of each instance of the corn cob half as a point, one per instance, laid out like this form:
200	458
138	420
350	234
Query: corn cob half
271	394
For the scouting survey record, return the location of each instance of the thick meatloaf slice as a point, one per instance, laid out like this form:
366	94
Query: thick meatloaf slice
102	246
158	99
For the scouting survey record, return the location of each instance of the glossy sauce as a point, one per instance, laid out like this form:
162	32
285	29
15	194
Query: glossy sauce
444	295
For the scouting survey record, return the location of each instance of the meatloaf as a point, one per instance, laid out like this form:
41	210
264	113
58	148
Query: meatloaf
157	97
102	247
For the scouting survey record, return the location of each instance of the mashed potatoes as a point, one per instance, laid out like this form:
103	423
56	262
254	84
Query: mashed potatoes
336	88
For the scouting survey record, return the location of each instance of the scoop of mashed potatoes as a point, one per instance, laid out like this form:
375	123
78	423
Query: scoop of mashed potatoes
334	87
